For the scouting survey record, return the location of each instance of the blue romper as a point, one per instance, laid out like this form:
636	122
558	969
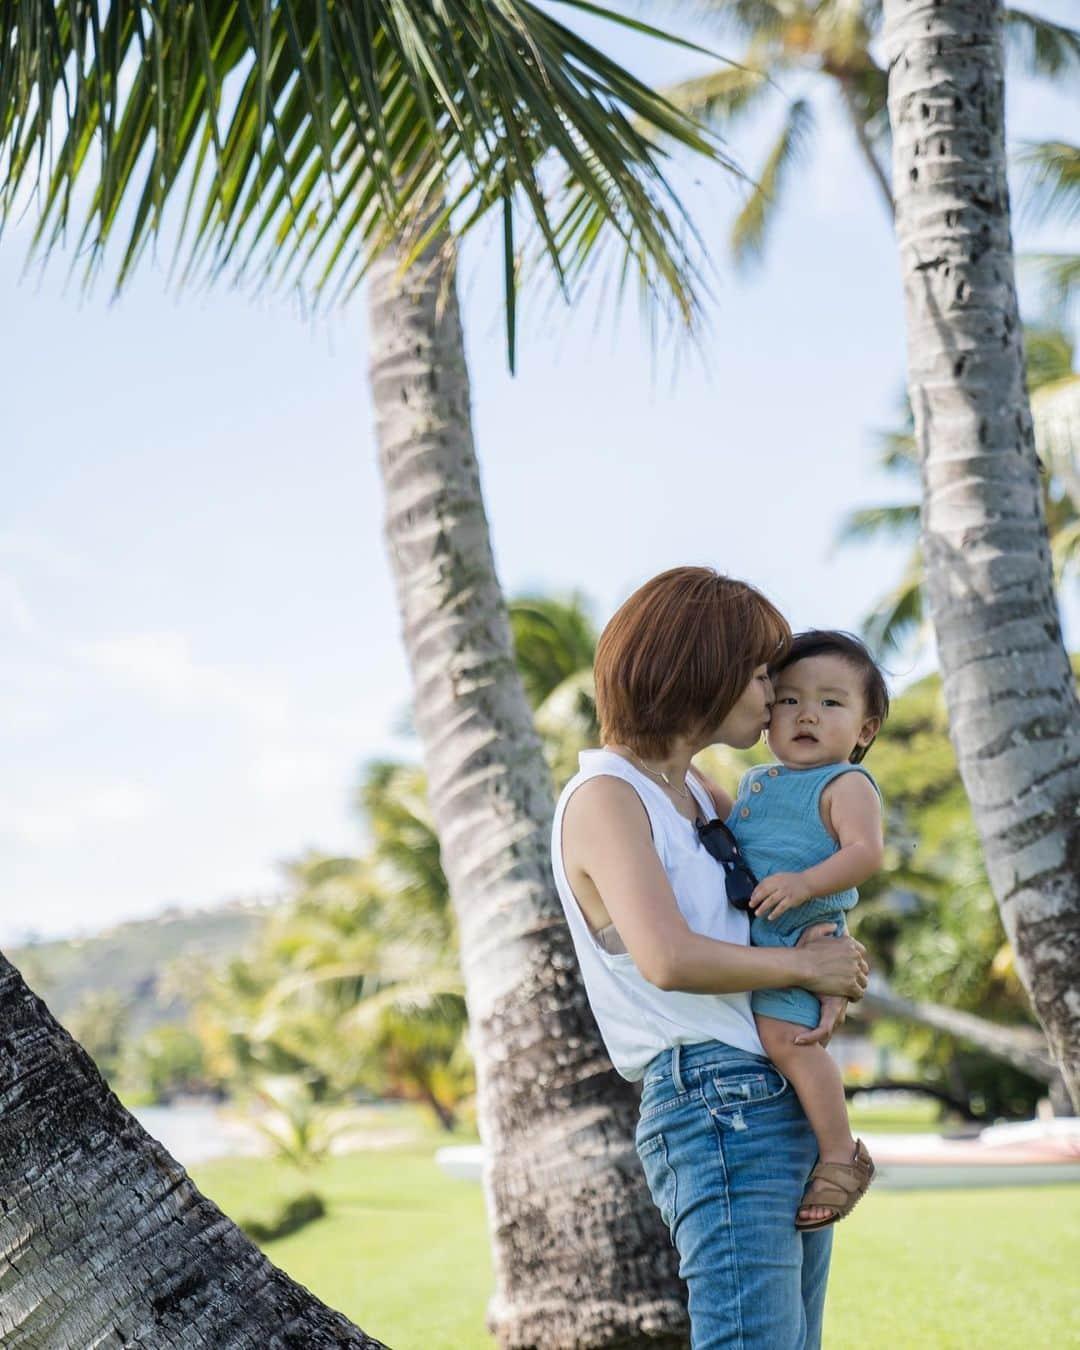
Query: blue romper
777	821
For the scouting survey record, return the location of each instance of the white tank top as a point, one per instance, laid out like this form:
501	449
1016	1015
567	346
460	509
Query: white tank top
636	1019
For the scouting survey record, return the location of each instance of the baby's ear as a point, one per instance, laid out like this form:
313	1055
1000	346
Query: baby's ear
870	729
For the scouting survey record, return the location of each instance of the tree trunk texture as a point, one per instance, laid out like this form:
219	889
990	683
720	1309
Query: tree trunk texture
104	1240
581	1256
1008	687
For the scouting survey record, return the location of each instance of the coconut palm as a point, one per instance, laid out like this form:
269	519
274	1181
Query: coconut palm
1053	191
308	137
1009	687
794	50
1054	386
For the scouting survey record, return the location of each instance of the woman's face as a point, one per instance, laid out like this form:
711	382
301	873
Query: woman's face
743	725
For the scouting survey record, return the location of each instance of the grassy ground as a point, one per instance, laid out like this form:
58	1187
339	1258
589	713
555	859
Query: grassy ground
403	1252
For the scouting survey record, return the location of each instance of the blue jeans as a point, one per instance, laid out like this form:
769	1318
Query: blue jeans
727	1152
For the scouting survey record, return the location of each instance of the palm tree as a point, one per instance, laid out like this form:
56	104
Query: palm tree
313	136
105	1237
554	645
1008	684
1053	190
1054	386
808	45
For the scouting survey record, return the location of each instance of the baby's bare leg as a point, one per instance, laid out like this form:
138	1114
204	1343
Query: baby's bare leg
815	1076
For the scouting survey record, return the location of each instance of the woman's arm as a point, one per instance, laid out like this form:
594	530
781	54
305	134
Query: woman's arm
607	847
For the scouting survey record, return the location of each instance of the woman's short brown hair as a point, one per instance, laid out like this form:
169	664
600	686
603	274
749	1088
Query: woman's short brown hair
677	654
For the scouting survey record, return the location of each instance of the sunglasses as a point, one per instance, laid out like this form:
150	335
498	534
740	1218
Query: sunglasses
721	844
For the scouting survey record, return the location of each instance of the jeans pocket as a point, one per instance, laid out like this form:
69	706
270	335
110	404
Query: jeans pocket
660	1176
744	1089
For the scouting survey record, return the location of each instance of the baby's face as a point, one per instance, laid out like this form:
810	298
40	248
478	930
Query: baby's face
819	715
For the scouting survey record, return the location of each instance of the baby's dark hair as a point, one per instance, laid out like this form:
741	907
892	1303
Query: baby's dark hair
832	642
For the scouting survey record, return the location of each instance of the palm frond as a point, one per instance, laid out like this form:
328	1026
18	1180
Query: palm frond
722	95
1049	352
1046	48
1058	277
303	134
752	223
1052	184
899	615
753	19
424	992
900	521
1065	551
553	640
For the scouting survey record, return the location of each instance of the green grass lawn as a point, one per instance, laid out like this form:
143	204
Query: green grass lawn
403	1252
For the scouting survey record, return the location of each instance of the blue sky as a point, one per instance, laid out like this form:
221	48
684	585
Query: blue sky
197	617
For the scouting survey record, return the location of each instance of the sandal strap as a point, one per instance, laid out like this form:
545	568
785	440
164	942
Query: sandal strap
839	1185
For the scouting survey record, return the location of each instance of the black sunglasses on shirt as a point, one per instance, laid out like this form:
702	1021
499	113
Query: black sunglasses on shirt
721	844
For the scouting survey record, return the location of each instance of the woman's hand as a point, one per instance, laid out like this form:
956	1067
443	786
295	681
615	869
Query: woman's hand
833	1012
833	965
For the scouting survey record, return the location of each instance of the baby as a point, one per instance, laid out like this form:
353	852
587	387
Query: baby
810	826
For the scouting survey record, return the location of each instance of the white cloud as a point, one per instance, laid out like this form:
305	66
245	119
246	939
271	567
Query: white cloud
282	771
44	553
66	819
161	667
14	609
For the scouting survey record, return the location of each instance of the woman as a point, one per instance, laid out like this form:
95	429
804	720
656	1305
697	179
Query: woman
667	962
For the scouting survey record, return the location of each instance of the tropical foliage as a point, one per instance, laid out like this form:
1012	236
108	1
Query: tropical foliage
1053	192
355	987
792	53
302	138
899	614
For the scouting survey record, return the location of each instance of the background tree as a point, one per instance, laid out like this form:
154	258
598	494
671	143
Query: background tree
1008	684
794	52
99	1023
1053	382
347	131
1053	192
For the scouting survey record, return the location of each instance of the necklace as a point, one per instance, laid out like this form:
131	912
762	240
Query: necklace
684	791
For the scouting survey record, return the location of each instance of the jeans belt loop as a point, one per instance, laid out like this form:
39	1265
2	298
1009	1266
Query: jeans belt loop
676	1076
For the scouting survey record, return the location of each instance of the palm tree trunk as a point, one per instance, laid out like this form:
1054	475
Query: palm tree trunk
104	1241
1008	687
581	1257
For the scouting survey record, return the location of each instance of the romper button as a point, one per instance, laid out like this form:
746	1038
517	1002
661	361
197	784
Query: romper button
755	787
744	812
773	773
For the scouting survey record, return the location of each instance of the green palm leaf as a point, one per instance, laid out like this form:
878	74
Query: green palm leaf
330	126
900	613
1049	352
748	18
752	223
900	521
554	639
721	95
1052	186
1058	277
1047	48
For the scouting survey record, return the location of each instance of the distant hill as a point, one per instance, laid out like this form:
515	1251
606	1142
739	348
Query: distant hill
130	958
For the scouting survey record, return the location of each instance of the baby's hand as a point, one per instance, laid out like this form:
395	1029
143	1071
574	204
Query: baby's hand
779	893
